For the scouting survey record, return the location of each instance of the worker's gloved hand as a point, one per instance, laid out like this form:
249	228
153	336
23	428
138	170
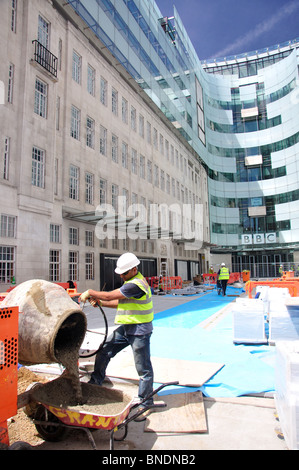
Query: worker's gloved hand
93	302
84	296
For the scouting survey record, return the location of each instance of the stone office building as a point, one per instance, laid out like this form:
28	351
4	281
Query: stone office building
90	166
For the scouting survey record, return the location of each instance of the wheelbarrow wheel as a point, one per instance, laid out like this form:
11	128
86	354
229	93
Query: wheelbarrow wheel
54	431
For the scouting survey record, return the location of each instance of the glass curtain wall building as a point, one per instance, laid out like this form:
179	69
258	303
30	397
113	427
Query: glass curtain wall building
240	115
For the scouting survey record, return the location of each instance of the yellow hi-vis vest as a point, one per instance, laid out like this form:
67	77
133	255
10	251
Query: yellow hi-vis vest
136	310
224	273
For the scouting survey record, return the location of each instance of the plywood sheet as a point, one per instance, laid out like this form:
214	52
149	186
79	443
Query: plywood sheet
184	413
187	373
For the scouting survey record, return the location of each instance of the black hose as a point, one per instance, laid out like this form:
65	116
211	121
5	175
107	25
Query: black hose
105	336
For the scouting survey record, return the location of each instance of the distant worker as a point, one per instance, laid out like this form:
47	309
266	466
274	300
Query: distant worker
223	277
134	315
281	270
211	270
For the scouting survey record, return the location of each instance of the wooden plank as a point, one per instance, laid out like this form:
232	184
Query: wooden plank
184	413
187	373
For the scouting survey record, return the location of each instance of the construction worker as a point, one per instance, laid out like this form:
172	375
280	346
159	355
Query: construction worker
223	277
134	315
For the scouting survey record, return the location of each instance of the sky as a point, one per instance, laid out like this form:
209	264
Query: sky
220	28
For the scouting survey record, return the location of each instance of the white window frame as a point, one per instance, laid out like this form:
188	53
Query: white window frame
38	167
74	182
76	67
41	98
75	122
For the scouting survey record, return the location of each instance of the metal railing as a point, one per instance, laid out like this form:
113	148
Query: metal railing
266	270
45	58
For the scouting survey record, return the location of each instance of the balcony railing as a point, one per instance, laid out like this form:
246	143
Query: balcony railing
45	58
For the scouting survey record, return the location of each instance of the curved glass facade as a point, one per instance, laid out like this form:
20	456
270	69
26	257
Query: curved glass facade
240	115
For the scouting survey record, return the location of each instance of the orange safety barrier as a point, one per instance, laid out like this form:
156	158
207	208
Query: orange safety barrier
234	277
211	278
292	286
66	285
9	317
166	283
2	296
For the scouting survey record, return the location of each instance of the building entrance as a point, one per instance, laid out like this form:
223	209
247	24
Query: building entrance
261	264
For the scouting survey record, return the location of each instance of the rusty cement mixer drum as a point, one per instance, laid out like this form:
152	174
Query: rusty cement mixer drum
49	321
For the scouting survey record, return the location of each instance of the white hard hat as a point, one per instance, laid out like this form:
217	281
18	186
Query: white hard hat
222	264
126	262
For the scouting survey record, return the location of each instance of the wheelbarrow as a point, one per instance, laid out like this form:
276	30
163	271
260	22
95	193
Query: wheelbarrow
54	412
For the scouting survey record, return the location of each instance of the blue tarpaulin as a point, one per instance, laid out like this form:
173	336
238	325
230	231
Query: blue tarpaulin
180	334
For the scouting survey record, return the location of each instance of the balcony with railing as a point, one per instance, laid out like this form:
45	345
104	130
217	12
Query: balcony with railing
45	58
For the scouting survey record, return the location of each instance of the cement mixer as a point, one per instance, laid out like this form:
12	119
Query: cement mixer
51	324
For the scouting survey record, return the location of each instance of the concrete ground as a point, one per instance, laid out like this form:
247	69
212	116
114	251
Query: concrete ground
245	423
242	423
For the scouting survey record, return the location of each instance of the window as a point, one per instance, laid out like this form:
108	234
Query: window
38	167
103	91
13	15
114	102
8	226
103	140
133	118
73	266
73	236
11	70
74	183
56	176
6	158
142	167
40	99
167	149
161	142
7	263
125	202
103	191
75	123
89	188
156	176
89	238
134	161
55	233
91	74
148	132
54	266
114	198
124	155
141	125
90	132
162	180
149	171
155	139
124	111
57	112
89	266
76	67
114	148
43	32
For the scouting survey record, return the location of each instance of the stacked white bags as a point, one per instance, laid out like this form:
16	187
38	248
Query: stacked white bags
249	321
287	390
284	321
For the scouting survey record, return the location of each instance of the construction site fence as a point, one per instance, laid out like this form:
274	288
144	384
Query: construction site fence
209	278
287	280
165	283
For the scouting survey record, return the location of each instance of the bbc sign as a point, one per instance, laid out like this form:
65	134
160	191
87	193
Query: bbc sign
258	238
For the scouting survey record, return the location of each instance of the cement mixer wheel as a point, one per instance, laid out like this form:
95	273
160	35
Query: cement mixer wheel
54	431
